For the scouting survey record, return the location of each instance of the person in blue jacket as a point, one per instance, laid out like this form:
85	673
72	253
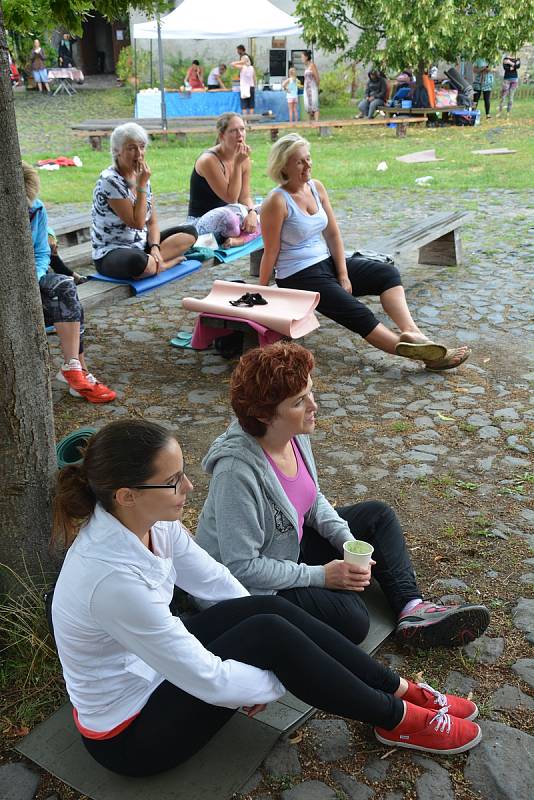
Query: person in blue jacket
61	304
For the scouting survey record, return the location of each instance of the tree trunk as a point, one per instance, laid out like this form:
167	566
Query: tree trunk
421	67
27	454
354	79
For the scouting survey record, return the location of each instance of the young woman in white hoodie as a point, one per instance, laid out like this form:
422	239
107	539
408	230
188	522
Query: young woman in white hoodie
149	689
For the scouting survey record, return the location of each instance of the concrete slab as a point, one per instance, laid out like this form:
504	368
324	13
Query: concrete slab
216	772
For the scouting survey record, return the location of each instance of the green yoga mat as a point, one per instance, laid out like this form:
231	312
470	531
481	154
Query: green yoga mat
221	768
69	449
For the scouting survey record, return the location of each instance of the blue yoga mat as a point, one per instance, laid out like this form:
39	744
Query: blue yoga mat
233	253
146	284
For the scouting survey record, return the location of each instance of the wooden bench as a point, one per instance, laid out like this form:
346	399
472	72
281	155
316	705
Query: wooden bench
71	229
95	130
151	122
181	130
437	238
325	126
416	113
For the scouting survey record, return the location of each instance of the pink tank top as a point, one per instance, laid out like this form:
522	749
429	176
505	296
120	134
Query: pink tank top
301	490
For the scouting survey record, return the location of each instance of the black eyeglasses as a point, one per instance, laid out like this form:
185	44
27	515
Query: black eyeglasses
176	485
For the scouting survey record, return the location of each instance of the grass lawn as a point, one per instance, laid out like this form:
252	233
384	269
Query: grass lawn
347	159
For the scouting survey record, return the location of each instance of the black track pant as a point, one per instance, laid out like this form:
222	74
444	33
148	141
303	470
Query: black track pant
367	277
376	523
130	262
313	661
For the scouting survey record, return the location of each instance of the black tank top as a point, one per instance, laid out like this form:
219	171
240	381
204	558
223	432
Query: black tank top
202	198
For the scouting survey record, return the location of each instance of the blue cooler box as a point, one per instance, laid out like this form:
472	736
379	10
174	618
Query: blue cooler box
466	117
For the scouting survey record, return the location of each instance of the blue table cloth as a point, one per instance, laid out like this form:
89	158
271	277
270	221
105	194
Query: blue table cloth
204	104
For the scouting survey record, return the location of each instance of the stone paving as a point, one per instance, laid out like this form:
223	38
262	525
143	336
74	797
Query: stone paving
451	452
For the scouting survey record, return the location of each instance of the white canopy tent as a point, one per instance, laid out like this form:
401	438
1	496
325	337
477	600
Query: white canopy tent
213	19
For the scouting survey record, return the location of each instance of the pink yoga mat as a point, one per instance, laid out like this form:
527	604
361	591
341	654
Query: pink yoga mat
288	311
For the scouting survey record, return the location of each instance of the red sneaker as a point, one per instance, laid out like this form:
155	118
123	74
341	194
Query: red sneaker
434	732
424	696
84	384
73	374
97	392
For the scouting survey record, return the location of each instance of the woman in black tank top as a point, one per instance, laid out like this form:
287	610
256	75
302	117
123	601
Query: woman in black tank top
220	201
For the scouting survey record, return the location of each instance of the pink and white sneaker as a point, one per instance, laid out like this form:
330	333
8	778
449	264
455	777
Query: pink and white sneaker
431	625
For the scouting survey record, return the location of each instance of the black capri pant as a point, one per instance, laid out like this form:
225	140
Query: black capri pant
367	277
60	301
312	660
130	262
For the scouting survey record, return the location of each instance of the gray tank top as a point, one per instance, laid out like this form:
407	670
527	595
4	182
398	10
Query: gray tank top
301	240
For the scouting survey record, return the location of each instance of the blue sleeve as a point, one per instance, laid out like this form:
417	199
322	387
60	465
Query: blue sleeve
41	248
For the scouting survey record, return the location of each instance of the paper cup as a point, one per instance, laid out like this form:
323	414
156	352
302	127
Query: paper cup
357	552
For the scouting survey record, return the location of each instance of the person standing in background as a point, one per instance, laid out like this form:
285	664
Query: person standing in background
291	86
483	83
311	86
510	81
242	51
64	52
38	67
247	83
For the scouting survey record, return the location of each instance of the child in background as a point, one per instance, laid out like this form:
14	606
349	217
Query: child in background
291	86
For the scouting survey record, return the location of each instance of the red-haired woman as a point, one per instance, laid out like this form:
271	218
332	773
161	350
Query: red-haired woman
149	689
266	519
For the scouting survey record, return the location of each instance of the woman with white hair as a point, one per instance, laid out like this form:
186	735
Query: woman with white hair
303	245
126	240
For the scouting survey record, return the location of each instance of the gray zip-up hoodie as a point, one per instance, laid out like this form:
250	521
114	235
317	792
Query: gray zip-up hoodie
248	523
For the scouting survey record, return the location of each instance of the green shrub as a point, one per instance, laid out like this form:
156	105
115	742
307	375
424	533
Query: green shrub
335	86
125	67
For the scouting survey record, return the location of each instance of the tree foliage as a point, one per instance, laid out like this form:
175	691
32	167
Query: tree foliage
398	34
34	16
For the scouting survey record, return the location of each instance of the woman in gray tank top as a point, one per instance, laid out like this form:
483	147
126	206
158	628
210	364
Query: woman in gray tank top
303	246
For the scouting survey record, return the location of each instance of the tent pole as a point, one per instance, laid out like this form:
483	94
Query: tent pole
136	86
161	80
151	65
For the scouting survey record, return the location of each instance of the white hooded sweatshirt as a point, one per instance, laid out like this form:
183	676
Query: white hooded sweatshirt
116	637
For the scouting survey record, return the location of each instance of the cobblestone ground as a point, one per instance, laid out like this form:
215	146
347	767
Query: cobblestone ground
451	452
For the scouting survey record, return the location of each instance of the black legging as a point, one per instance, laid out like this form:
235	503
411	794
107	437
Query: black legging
377	523
130	262
313	661
368	277
487	99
